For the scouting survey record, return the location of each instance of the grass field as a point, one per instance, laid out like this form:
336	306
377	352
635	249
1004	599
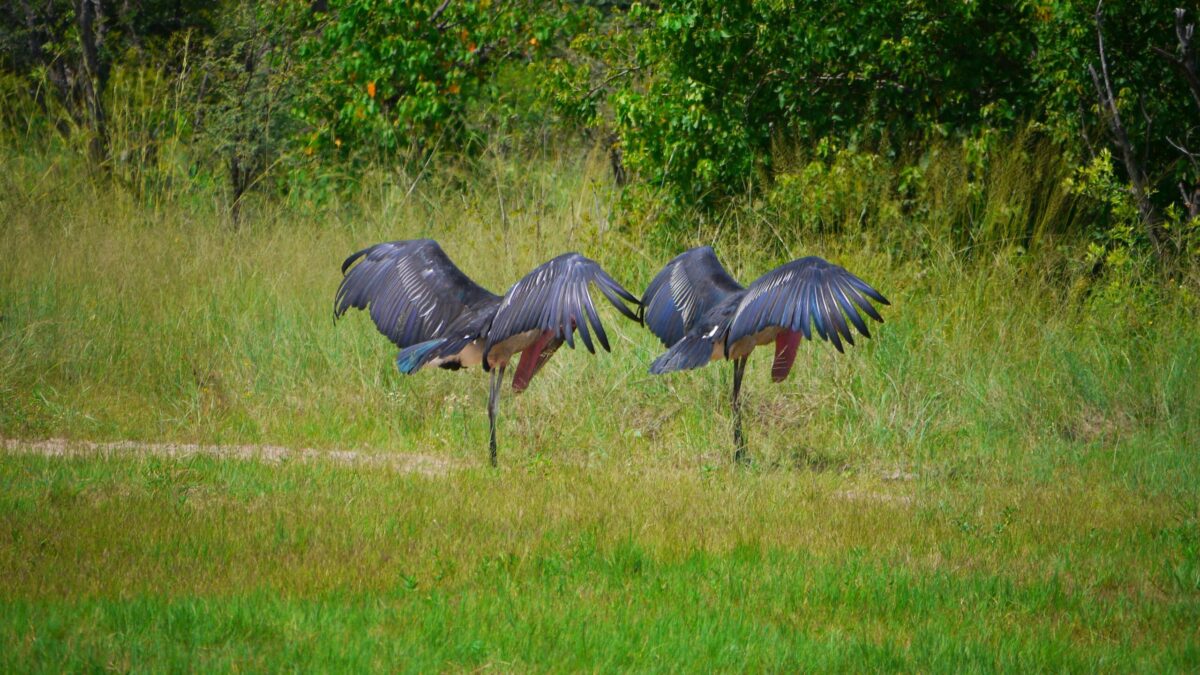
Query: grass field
229	564
1005	478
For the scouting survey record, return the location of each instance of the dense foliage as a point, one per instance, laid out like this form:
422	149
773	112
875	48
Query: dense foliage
697	102
389	76
1155	100
720	86
731	79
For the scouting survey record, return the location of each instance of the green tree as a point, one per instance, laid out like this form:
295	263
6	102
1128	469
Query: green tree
388	77
68	48
1135	105
247	89
718	83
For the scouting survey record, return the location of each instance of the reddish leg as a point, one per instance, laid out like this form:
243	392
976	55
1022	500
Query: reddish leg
785	354
529	362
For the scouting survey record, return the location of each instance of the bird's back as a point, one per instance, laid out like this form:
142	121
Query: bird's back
684	292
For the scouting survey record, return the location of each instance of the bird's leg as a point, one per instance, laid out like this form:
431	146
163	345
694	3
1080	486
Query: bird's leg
493	404
739	439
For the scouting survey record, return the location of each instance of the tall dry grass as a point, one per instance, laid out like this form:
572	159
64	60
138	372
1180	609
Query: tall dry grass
133	316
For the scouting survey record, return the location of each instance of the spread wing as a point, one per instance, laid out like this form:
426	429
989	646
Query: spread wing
554	297
412	289
807	295
688	287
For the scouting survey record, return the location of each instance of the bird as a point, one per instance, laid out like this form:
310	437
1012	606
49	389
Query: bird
702	314
438	317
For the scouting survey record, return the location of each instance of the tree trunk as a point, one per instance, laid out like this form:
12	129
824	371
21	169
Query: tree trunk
616	160
89	13
1112	116
239	182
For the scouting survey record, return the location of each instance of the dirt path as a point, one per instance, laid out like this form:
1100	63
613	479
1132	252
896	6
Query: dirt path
417	463
428	465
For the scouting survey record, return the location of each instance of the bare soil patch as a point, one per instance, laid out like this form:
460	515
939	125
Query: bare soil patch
428	465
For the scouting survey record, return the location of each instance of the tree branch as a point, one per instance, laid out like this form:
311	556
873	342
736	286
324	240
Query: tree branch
91	37
1108	104
437	13
1185	62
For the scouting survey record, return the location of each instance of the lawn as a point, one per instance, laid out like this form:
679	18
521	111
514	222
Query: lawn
208	563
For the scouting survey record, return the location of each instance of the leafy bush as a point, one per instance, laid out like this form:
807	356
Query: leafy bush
713	89
247	86
1143	169
387	77
727	80
64	54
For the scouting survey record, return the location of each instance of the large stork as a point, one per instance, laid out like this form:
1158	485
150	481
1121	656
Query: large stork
438	316
702	314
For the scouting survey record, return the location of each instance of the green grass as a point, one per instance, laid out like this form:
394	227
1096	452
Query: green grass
1004	478
220	563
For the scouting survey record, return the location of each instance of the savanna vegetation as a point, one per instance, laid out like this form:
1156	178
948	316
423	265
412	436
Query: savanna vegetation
1003	478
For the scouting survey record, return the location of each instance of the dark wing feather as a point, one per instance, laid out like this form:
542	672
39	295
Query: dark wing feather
554	297
809	295
696	348
413	290
688	353
683	292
